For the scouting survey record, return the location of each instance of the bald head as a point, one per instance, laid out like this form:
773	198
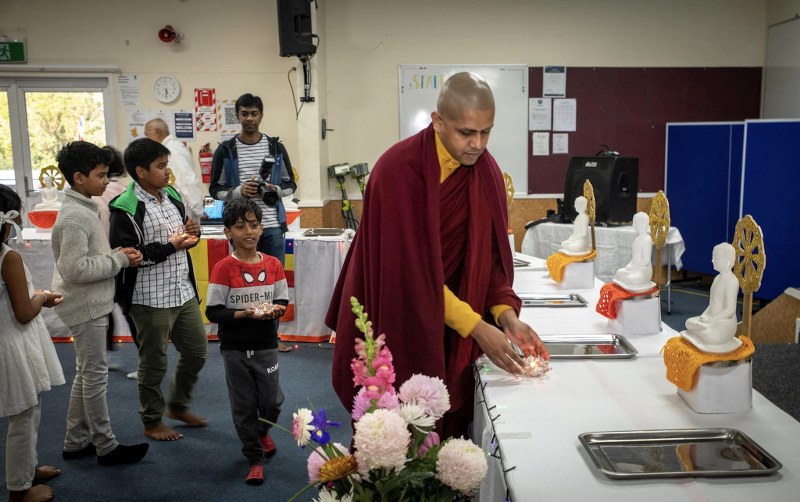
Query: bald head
464	91
156	129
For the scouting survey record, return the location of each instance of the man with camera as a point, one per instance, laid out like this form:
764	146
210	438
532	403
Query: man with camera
256	166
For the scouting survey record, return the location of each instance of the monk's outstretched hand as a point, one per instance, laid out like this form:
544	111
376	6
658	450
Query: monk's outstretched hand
523	335
495	345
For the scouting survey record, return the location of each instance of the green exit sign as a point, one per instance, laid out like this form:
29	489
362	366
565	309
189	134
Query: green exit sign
12	52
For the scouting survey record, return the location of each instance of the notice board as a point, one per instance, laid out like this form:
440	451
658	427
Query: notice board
628	109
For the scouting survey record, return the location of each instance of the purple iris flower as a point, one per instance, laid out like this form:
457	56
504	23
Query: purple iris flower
320	423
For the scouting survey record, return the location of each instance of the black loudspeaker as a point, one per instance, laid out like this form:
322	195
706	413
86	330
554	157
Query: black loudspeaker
294	28
616	184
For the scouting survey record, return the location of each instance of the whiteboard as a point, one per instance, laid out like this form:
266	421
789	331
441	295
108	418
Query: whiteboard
782	74
419	90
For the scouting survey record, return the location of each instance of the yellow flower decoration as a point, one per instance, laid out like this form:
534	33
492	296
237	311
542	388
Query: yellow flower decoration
337	468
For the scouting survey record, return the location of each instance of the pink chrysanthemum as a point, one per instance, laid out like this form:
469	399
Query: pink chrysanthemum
430	393
362	403
381	440
301	426
314	462
461	465
317	459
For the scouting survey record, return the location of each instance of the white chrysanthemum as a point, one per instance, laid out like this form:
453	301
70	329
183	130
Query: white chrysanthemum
415	415
461	465
428	392
326	495
381	440
301	426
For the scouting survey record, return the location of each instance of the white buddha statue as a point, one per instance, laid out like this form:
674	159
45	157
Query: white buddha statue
715	329
50	200
578	243
635	276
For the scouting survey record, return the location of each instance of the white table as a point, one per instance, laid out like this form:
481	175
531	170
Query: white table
532	425
613	248
613	245
579	321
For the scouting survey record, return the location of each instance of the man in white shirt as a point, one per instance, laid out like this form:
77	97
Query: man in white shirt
187	183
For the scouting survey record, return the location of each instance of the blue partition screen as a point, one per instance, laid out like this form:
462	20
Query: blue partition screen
771	184
703	180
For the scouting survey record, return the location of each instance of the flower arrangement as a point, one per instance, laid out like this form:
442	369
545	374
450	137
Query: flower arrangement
397	454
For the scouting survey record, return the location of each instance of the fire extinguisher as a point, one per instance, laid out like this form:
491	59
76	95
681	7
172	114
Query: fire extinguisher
205	157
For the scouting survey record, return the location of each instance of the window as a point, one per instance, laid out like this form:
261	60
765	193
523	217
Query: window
38	116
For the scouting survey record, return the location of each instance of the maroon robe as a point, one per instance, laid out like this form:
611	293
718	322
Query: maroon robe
417	234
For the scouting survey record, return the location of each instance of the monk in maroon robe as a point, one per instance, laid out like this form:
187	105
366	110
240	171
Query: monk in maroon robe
420	237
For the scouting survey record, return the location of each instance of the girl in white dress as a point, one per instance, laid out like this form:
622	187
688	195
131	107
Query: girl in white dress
28	361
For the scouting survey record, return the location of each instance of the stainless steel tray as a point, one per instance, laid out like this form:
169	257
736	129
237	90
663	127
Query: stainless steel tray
552	300
677	453
323	232
588	346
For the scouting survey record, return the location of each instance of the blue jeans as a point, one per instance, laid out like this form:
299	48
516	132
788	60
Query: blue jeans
272	243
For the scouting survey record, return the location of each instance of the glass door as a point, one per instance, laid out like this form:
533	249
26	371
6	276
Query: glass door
38	116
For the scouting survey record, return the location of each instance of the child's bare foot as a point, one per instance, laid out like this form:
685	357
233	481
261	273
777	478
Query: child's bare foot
46	472
161	432
38	493
188	418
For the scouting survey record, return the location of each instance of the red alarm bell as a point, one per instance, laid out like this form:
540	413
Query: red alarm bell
167	34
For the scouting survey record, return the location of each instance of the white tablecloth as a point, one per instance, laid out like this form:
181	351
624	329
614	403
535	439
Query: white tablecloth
317	263
533	424
613	245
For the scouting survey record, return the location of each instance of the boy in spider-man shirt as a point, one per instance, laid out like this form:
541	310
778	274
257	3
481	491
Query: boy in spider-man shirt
247	290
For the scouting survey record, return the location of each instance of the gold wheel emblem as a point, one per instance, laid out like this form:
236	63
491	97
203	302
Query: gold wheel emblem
750	258
588	193
53	173
748	266
509	190
659	220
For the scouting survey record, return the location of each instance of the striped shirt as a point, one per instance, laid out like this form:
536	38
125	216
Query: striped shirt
250	159
166	284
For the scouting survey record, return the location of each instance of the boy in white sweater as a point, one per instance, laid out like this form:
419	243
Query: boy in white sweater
85	267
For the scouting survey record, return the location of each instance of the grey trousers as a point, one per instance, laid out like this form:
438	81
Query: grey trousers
154	328
87	416
21	457
254	392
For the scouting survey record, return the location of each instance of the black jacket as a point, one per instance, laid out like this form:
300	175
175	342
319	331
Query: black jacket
126	230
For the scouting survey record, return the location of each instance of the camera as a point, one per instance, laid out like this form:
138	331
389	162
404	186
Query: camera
269	197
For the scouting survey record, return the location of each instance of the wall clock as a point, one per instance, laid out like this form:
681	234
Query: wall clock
166	88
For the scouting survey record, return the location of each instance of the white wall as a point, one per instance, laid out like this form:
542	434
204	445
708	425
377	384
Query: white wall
781	10
368	39
233	47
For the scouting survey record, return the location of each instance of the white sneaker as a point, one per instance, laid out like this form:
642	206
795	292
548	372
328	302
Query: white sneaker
133	375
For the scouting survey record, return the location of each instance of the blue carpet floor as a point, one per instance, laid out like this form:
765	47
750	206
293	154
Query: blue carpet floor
207	464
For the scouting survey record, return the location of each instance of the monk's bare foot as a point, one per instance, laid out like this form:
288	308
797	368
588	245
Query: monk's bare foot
38	493
161	432
46	472
188	418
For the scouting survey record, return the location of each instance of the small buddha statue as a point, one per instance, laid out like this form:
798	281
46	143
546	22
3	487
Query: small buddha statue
715	329
635	276
49	196
578	243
